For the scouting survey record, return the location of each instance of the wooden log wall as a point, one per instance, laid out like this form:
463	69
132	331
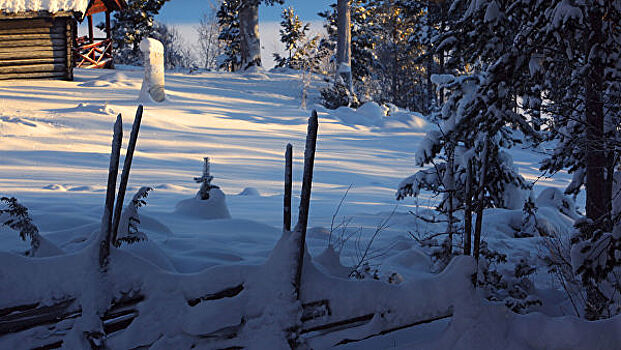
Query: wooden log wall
36	48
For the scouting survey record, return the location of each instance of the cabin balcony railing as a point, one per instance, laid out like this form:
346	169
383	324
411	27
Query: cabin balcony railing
93	54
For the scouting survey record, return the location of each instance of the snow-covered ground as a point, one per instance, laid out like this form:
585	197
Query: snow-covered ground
54	155
56	139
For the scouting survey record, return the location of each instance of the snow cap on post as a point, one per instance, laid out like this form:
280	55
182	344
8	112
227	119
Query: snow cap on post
153	83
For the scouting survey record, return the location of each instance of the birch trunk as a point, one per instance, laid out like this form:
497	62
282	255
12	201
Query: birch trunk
249	33
343	44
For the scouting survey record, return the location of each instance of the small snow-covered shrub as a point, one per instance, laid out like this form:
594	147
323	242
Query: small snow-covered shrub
511	285
338	95
16	216
130	220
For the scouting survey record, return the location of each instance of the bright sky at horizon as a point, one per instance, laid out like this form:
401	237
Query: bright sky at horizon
190	11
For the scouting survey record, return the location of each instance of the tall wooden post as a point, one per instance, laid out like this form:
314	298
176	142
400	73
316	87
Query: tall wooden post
129	156
307	182
106	224
288	185
108	29
91	36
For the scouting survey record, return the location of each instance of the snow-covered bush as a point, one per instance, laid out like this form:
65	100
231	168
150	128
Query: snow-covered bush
16	216
129	229
338	95
501	282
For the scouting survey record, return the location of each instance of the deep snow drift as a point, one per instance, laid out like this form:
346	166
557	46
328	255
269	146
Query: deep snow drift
55	153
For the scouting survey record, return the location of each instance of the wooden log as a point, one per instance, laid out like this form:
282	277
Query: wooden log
56	67
35	30
26	61
41	315
288	187
20	54
31	36
106	221
225	293
38	75
307	182
46	43
26	23
394	329
127	164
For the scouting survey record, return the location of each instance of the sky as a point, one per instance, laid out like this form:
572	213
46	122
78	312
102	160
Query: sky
185	15
190	11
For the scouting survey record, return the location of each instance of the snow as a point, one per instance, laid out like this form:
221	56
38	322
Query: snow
153	83
54	158
51	6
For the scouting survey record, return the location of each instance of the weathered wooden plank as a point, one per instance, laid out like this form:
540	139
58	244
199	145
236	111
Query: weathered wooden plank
34	16
19	54
35	30
27	61
31	36
47	43
56	67
19	321
225	293
36	75
26	23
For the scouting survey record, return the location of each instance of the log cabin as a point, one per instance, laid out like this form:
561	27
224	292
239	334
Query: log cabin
38	38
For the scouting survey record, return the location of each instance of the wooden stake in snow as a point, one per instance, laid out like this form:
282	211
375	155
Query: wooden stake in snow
307	182
288	185
106	221
129	156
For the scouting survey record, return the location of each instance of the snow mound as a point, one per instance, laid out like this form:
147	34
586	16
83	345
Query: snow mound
213	208
171	188
55	187
373	115
249	191
94	108
554	198
109	80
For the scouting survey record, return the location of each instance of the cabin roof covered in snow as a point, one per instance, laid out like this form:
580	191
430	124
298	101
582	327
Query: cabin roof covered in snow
84	7
51	6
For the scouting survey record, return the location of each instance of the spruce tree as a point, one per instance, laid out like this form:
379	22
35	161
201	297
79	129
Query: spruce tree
228	20
292	34
130	26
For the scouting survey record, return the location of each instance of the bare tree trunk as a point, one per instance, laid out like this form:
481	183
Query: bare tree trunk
288	185
106	221
343	44
249	34
307	182
480	204
468	211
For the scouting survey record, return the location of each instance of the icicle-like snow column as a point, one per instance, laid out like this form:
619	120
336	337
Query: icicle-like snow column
153	83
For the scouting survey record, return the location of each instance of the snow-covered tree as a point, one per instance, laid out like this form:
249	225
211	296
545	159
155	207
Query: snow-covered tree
16	216
129	231
292	33
208	32
176	53
230	39
130	26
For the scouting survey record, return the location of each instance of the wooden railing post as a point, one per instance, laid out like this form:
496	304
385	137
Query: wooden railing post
307	182
129	156
288	185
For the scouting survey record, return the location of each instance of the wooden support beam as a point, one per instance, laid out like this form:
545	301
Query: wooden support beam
288	187
108	28
91	36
